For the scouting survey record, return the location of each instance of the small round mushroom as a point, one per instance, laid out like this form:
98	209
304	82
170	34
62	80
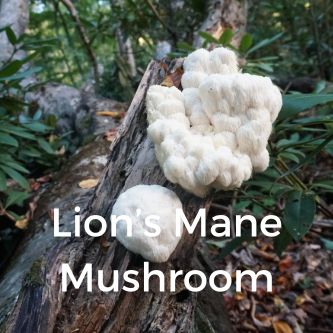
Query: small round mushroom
138	203
214	133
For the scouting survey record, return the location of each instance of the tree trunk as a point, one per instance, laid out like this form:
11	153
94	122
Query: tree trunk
224	14
126	52
42	307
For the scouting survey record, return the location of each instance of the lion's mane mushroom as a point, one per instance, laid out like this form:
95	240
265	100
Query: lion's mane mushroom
214	133
138	203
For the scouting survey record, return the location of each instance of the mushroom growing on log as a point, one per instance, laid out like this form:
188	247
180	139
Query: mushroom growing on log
214	133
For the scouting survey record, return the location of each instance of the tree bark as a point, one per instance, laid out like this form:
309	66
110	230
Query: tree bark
42	307
224	14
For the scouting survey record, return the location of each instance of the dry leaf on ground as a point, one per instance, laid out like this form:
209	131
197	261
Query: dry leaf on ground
282	327
88	183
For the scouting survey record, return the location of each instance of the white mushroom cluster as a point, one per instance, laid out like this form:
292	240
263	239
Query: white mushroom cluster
140	203
213	133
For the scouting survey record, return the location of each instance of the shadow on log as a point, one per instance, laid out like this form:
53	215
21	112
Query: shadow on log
43	307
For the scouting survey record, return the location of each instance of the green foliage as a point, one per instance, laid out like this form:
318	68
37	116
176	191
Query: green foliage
105	23
253	65
298	214
293	104
306	45
23	135
290	187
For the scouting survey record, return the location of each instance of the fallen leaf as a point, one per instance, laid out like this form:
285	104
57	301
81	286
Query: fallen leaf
285	264
35	186
283	281
110	134
305	298
44	179
260	320
281	327
167	82
263	254
244	304
113	114
173	79
61	151
22	224
239	296
88	183
300	314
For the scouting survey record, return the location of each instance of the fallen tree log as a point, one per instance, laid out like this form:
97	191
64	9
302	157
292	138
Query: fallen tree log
43	307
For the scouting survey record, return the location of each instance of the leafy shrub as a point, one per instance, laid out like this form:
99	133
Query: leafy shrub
24	137
246	49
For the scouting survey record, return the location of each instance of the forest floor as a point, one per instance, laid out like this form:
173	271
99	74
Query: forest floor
302	297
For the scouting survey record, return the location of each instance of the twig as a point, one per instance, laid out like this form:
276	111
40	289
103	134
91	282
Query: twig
159	18
324	223
294	180
319	330
56	13
3	212
83	35
69	38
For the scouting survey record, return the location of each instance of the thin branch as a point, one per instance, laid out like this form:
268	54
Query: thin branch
69	39
159	18
83	35
56	13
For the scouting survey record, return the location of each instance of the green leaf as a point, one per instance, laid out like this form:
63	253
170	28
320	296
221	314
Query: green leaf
18	131
11	35
17	166
327	243
3	181
245	43
265	67
10	69
314	151
264	43
234	243
282	241
226	37
242	204
16	198
294	104
36	127
219	244
199	5
289	156
208	37
45	145
8	140
299	213
38	115
185	46
326	185
21	75
31	152
16	176
51	121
